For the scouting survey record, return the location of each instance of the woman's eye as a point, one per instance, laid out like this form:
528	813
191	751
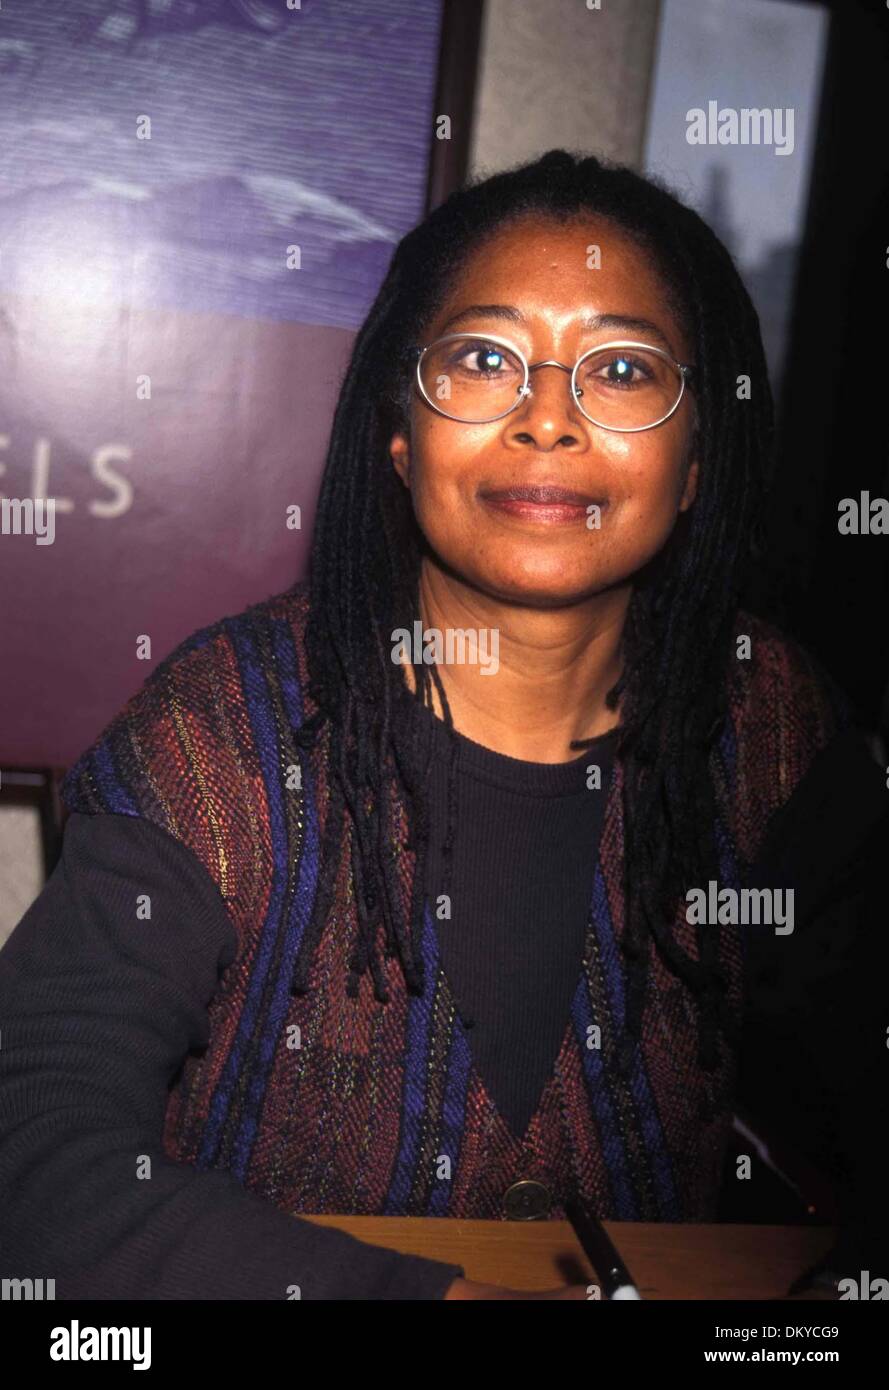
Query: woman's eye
622	371
487	360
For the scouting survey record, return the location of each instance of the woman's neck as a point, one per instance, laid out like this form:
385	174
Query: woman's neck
522	681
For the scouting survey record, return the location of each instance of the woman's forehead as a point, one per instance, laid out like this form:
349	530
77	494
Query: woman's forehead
564	271
533	237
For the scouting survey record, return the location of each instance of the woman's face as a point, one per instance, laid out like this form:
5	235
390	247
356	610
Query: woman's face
537	270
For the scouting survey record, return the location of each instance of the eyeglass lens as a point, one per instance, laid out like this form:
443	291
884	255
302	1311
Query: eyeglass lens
476	380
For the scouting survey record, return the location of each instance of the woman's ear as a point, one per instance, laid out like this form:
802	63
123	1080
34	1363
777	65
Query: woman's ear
690	490
400	454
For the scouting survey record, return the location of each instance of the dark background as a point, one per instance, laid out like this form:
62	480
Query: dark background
830	590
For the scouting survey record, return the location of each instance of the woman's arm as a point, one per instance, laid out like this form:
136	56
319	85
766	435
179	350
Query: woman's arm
99	1006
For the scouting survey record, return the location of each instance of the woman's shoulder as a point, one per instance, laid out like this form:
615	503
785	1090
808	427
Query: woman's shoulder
774	679
261	627
190	750
786	713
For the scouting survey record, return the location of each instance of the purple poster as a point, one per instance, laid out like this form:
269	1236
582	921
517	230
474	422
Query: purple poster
198	201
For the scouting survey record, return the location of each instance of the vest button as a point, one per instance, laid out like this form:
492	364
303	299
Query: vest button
527	1200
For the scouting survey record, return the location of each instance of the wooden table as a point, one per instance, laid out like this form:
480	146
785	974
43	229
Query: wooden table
682	1261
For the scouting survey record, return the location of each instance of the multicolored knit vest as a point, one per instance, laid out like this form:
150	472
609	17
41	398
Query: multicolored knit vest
325	1103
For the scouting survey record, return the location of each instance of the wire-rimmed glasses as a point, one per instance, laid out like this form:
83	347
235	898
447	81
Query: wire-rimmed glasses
476	378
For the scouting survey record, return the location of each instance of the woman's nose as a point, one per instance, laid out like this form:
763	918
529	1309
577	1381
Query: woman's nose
548	404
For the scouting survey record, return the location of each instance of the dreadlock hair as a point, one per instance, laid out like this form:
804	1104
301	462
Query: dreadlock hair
365	565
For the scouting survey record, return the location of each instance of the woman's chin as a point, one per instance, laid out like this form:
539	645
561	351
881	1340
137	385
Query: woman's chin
546	589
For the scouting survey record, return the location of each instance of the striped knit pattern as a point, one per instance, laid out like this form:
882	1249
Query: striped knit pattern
328	1104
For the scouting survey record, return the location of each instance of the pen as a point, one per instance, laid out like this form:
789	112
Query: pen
610	1268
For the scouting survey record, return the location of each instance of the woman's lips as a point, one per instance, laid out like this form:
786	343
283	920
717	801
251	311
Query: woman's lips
546	505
